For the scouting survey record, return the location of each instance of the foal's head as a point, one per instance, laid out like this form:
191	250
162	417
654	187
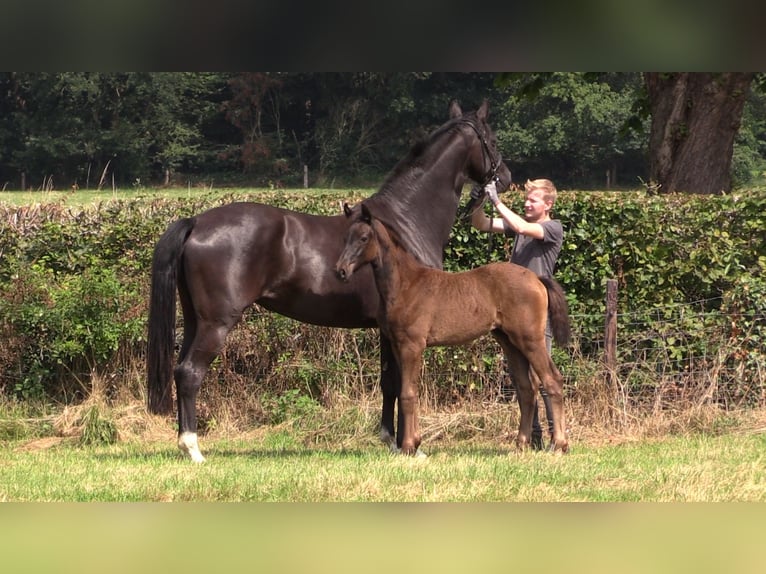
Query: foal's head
361	244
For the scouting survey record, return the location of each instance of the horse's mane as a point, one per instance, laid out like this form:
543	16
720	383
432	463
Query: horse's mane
394	239
407	203
416	156
393	235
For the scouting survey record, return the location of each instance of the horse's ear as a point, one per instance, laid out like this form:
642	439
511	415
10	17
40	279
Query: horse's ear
483	111
366	215
454	110
346	209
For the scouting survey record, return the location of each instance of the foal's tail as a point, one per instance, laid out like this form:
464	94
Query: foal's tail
162	315
558	311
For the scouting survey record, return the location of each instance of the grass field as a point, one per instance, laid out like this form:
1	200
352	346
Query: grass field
728	468
275	464
325	539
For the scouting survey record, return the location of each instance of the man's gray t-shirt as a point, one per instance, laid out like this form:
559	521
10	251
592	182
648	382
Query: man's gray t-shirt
535	254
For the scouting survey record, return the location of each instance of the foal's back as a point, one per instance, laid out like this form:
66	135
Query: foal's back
456	308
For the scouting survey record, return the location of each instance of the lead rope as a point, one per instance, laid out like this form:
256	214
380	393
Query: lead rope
490	239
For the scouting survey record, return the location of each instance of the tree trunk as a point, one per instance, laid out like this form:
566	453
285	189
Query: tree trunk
695	118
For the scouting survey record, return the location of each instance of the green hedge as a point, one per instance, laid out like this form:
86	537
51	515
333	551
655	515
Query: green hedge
662	249
74	282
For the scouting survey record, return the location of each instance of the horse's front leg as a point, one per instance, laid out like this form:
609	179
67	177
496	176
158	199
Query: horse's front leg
390	385
410	357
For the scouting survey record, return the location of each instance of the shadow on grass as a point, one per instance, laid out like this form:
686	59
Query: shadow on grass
256	453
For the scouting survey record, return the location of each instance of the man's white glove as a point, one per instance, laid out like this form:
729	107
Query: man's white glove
491	190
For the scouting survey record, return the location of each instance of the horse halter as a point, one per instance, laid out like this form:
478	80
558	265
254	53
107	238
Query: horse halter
491	175
494	164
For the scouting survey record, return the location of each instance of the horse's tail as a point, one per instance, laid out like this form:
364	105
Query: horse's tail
558	311
162	315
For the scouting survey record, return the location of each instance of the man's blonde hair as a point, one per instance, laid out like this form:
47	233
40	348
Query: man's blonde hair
546	185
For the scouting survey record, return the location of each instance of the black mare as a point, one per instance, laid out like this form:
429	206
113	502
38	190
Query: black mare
227	258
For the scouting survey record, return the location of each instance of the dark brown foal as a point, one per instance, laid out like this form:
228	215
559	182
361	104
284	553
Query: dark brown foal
424	307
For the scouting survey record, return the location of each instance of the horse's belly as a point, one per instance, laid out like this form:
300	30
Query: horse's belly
456	332
327	311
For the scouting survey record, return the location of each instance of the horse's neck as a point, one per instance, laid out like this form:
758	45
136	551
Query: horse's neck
424	218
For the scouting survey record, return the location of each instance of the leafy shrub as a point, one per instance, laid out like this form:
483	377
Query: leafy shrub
74	284
745	346
289	404
69	325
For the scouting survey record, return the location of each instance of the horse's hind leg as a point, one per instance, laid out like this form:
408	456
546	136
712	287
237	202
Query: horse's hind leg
526	393
198	352
553	383
525	390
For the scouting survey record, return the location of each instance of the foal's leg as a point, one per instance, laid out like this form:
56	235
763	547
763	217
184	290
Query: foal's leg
526	394
525	390
553	383
410	358
390	385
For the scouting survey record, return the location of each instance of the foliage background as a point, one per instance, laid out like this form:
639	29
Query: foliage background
99	130
74	287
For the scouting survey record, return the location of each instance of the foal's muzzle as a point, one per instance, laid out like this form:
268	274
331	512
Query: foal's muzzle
343	273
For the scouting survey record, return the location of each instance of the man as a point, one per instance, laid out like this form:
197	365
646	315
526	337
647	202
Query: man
537	243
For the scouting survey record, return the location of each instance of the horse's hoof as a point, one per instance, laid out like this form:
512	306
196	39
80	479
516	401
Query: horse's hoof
188	444
417	454
197	457
387	438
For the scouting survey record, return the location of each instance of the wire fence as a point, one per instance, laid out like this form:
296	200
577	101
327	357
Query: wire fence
681	353
678	354
689	353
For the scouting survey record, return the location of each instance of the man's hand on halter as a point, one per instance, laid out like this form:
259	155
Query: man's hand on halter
491	190
476	192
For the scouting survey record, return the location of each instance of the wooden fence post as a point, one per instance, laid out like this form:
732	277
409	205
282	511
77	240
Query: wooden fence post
305	176
610	334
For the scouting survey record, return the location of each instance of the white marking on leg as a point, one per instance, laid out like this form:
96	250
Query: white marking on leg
188	444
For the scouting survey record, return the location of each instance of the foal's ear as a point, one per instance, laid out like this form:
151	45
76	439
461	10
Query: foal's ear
346	209
483	112
454	110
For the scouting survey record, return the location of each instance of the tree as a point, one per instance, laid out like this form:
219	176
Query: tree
695	118
80	128
568	126
255	102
